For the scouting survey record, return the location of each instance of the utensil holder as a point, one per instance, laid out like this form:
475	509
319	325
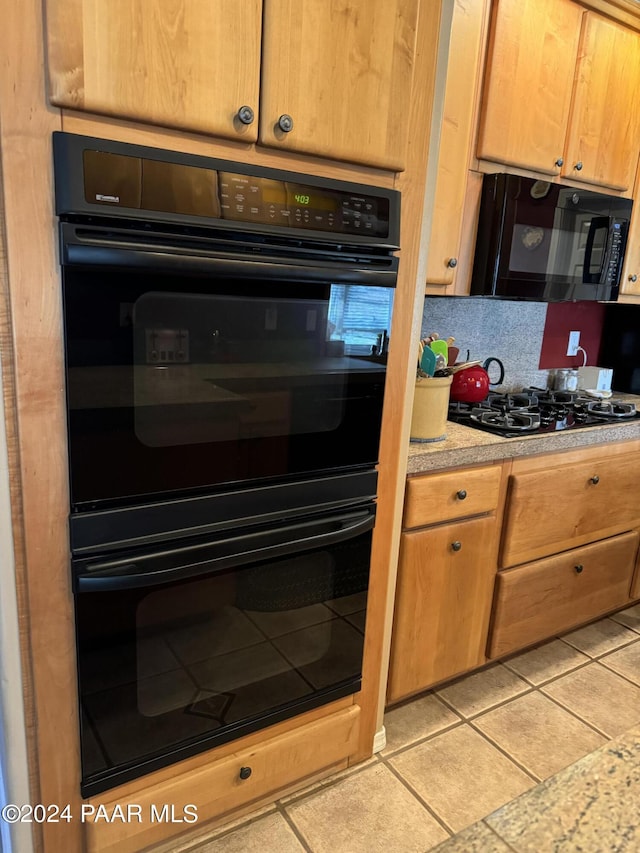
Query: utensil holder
430	408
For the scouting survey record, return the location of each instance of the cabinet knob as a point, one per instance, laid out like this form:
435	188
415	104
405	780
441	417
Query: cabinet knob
456	546
633	277
246	115
452	262
559	162
579	568
595	480
245	772
285	123
578	166
461	495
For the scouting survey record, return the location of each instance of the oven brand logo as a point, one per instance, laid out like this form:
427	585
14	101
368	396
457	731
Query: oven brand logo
115	199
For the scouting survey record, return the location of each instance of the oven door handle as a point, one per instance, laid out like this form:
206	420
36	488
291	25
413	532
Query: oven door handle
190	562
314	266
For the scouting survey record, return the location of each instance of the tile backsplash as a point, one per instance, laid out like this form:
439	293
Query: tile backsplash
509	330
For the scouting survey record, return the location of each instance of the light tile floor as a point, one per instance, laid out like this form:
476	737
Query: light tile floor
456	754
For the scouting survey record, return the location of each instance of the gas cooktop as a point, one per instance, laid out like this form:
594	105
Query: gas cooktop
535	411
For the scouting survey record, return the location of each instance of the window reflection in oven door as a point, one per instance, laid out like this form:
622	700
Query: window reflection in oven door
183	649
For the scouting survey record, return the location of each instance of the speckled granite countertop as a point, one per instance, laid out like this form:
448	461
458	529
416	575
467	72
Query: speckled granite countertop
590	806
467	446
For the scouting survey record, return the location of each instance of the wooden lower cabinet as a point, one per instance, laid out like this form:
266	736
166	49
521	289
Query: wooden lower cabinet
547	597
561	506
222	786
443	600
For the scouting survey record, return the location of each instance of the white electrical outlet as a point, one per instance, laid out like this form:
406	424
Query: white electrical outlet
574	343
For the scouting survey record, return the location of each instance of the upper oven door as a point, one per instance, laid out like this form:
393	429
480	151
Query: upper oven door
193	363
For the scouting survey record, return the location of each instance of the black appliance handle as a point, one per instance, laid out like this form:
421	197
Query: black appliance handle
597	223
162	567
283	262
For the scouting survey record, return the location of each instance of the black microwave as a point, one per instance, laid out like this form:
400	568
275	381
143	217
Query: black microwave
548	241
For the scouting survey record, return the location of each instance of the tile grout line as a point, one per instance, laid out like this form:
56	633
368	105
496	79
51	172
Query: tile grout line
578	717
512	759
429	809
407	746
294	828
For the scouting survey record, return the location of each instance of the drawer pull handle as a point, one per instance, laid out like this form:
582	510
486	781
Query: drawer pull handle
461	495
579	568
245	772
456	546
595	480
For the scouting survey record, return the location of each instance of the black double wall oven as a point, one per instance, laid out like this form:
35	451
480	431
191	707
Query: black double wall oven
226	330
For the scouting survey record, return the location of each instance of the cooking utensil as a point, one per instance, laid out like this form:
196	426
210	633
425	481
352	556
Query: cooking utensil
471	384
440	348
441	362
463	365
428	361
453	355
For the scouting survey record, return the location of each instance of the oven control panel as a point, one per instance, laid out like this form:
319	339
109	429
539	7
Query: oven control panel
93	175
273	202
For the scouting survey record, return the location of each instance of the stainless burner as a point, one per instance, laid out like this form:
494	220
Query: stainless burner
519	421
611	409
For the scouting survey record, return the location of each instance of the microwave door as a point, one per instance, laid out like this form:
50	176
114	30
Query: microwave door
577	254
595	252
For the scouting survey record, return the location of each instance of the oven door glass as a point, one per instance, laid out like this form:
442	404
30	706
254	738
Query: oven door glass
170	669
179	383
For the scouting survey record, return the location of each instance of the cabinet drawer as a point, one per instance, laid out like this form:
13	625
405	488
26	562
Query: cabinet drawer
550	596
443	603
217	788
455	494
554	510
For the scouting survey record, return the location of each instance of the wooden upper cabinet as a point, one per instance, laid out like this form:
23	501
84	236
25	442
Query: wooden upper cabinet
465	44
561	93
340	71
188	64
334	78
604	130
533	48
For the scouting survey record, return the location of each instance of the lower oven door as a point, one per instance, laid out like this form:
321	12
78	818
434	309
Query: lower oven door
184	649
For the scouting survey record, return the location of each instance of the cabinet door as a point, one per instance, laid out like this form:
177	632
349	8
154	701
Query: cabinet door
605	115
443	600
562	507
188	64
630	279
533	47
455	140
545	598
340	70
